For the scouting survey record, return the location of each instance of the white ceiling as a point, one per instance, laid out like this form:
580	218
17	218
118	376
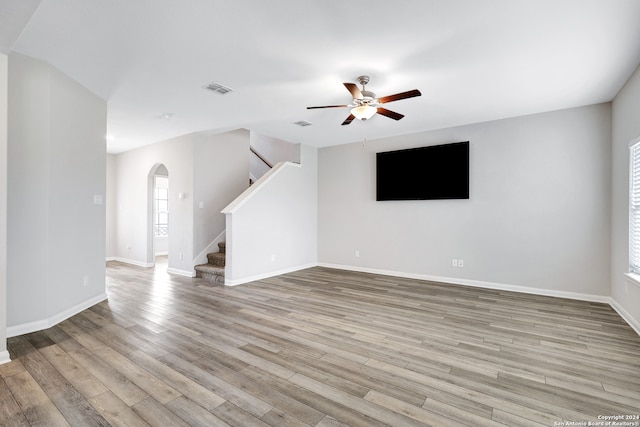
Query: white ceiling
473	60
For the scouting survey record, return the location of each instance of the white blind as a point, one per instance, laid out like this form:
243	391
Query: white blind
634	210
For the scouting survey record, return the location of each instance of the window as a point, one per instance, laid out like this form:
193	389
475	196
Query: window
161	207
634	209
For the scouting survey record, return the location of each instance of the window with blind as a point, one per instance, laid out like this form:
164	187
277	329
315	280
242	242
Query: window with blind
634	209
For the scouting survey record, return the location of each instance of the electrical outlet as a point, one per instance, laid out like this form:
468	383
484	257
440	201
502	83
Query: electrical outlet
181	257
454	262
85	281
357	254
460	263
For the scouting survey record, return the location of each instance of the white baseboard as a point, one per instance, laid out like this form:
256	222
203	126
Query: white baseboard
442	279
147	265
4	357
244	280
179	272
476	283
132	262
39	325
635	325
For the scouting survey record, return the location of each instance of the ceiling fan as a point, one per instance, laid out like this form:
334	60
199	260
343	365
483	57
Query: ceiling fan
365	104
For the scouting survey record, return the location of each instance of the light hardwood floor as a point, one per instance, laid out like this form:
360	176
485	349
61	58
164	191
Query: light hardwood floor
321	347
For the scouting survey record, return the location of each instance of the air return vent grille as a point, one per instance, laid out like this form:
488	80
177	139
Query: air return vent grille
218	88
302	123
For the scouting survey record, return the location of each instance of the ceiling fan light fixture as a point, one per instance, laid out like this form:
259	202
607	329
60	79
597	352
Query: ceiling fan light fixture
363	112
366	104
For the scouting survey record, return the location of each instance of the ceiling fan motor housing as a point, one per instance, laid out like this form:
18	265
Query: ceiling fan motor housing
367	98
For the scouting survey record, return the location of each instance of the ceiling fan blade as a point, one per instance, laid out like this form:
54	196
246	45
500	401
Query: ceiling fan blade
399	96
348	119
353	88
327	106
391	114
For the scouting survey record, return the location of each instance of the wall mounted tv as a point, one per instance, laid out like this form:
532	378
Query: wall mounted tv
435	172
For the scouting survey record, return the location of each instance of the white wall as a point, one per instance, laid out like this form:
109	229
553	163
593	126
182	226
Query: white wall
538	216
272	227
4	76
221	169
28	172
626	127
198	169
273	150
56	169
134	172
110	205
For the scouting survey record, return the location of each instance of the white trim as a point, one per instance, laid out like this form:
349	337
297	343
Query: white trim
39	325
179	272
635	325
27	328
161	253
261	276
4	357
133	262
110	258
477	283
202	256
633	279
633	142
634	214
247	194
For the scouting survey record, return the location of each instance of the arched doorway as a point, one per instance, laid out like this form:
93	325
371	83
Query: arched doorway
158	214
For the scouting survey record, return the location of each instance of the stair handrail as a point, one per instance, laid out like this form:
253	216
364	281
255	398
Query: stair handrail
258	155
257	187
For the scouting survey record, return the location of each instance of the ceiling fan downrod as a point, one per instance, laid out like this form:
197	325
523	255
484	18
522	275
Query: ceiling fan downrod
363	80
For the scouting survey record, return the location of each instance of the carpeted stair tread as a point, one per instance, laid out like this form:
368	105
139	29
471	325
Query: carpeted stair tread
210	273
213	271
208	268
217	258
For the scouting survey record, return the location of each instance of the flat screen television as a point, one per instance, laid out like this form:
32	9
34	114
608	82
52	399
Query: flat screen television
435	172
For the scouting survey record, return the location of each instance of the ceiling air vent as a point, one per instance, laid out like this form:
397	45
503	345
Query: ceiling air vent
218	88
302	123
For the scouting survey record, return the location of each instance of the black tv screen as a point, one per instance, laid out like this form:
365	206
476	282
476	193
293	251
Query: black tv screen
427	173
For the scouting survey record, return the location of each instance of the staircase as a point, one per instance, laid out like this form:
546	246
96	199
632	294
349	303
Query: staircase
213	271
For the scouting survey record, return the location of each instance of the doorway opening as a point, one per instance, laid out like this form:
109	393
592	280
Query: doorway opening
158	235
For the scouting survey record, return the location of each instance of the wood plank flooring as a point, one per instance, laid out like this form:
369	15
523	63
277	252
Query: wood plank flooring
321	347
